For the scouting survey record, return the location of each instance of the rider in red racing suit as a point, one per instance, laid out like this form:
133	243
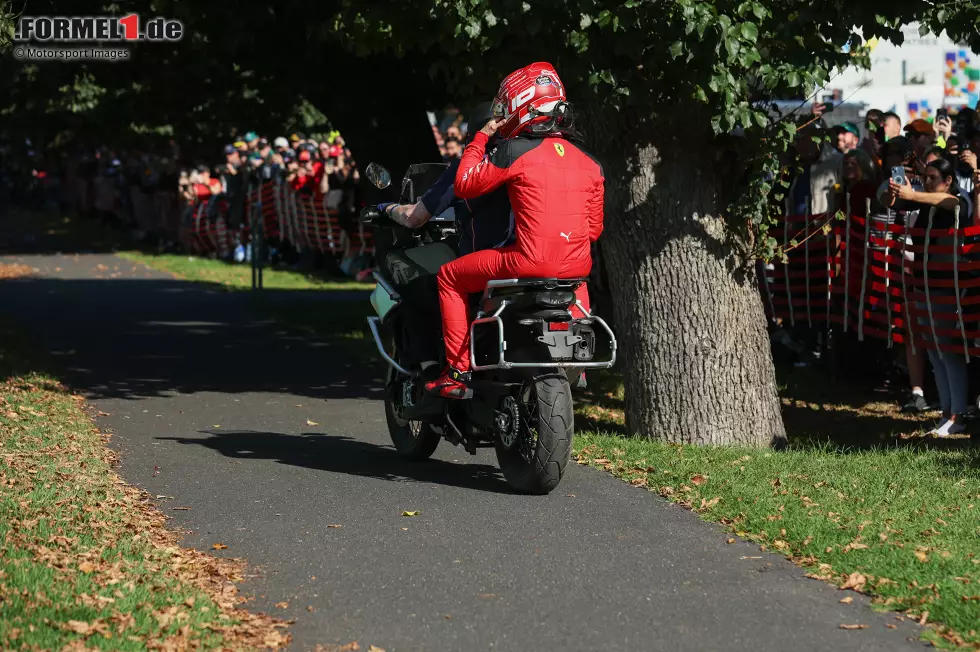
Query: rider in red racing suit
556	193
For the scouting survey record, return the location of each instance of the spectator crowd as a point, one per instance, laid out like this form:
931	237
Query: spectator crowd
901	179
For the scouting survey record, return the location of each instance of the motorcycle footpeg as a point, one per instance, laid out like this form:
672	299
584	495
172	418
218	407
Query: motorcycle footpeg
429	407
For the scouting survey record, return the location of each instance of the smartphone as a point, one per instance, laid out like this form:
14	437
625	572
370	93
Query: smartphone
942	113
828	103
898	175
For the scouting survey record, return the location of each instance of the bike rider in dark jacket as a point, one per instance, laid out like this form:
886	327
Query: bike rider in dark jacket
485	222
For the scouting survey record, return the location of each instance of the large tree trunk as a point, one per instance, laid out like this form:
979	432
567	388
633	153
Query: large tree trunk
689	319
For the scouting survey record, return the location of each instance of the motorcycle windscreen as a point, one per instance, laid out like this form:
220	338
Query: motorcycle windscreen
419	178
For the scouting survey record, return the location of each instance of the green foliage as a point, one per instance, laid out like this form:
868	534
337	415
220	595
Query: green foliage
701	69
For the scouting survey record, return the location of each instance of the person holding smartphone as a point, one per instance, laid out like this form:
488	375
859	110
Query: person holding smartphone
940	201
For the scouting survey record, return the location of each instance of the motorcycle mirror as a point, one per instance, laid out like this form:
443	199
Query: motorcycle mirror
379	177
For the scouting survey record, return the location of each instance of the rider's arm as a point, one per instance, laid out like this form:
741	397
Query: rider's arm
478	174
411	216
434	201
595	207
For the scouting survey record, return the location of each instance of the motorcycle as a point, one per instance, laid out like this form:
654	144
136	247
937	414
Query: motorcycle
525	345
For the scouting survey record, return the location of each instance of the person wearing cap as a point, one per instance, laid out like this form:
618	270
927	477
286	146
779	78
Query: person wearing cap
252	139
280	144
232	159
264	148
922	137
848	137
241	146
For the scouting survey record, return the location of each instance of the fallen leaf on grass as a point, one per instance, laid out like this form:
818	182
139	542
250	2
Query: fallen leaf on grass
79	626
921	555
843	626
310	422
925	618
415	513
86	567
219	546
698	479
847	600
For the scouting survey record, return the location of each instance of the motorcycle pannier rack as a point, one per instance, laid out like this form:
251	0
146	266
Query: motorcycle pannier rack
551	293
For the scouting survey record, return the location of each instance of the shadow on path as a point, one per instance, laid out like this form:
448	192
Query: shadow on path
339	454
116	336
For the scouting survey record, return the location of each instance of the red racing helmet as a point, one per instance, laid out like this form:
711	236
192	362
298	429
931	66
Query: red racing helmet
528	97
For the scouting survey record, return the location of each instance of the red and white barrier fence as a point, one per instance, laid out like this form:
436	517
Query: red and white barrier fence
880	279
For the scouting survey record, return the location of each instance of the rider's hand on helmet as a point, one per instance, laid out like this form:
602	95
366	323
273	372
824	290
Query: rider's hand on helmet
491	127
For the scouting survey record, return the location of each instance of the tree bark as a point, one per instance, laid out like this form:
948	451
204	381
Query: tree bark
690	323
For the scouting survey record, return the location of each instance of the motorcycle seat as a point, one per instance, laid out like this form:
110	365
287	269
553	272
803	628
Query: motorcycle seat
523	285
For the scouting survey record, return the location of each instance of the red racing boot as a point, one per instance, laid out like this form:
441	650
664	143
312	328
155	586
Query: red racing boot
451	384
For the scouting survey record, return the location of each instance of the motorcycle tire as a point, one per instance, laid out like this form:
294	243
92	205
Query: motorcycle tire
538	466
414	440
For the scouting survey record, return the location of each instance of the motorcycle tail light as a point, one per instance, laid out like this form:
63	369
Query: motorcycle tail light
558	326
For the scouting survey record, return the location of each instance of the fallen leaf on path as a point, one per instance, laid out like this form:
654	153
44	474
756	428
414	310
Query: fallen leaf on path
853	626
309	608
745	557
86	567
730	540
698	479
162	497
182	509
335	525
375	648
855	581
487	595
282	605
890	626
404	529
217	425
415	513
219	546
847	600
310	422
569	495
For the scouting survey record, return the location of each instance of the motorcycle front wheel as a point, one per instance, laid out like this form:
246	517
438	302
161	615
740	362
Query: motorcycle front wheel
414	440
536	462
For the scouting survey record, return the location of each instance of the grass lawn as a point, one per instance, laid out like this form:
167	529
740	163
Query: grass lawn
85	560
860	498
237	277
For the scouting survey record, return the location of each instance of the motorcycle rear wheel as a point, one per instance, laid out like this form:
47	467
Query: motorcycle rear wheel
537	462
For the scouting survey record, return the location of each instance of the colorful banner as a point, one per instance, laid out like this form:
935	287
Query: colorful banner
919	109
961	79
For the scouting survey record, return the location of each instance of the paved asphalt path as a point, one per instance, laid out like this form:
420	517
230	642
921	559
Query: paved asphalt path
270	438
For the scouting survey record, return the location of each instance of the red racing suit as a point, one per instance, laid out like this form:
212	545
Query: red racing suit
556	193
